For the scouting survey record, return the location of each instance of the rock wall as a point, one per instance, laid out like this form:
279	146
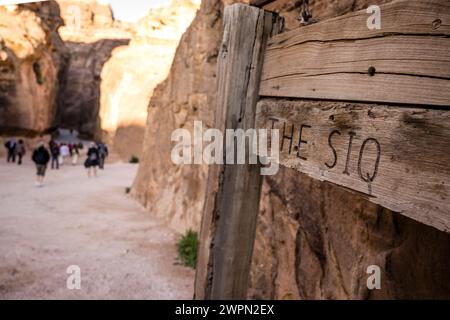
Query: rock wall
131	74
91	34
90	21
80	99
314	240
32	61
188	94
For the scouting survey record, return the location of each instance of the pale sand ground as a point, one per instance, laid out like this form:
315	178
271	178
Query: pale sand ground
123	252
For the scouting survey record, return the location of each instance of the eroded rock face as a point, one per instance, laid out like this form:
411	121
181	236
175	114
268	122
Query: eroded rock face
314	240
32	60
188	94
90	21
132	73
91	34
80	98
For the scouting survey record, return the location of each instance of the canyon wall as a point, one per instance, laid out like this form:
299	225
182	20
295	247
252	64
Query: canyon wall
167	190
131	74
114	68
314	240
32	61
91	34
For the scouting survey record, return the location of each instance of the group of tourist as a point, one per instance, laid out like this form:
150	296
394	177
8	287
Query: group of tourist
58	154
61	152
15	150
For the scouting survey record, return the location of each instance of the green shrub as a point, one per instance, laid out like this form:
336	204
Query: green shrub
187	248
134	159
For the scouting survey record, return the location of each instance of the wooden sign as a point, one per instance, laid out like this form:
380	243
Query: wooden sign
406	61
396	157
232	201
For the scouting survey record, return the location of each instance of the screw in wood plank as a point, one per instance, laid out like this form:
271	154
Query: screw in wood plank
372	71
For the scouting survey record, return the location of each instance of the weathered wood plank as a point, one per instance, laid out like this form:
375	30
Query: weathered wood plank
402	17
398	157
409	57
232	201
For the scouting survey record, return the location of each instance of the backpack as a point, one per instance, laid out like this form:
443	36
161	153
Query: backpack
40	156
93	156
55	150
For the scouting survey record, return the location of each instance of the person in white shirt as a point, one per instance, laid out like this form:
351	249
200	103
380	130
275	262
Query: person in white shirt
64	152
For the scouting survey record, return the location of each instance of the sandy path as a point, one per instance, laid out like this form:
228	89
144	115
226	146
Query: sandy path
123	252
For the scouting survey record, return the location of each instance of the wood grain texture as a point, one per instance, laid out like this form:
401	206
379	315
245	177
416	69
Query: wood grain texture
331	59
233	191
397	157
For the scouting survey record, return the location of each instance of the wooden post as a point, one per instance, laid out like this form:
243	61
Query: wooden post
233	191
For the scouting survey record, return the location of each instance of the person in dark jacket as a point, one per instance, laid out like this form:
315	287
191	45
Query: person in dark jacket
103	153
54	150
10	146
92	160
41	158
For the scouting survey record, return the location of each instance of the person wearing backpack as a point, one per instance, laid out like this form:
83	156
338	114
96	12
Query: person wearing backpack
92	160
41	158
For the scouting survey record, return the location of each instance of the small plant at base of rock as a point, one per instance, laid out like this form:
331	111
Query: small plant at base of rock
134	159
187	248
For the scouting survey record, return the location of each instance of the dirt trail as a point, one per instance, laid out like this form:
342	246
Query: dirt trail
123	252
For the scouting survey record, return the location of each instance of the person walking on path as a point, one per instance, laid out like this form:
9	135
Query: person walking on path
64	152
10	146
20	151
92	160
103	153
41	158
54	150
75	154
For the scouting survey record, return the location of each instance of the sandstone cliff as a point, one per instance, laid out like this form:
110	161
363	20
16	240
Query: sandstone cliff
91	34
314	240
32	59
90	21
131	74
167	190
